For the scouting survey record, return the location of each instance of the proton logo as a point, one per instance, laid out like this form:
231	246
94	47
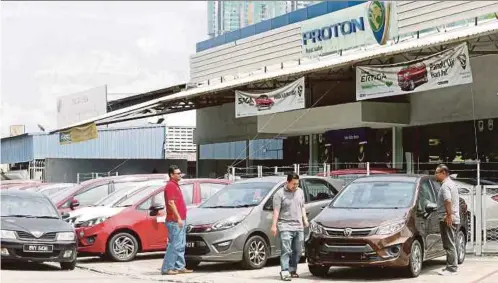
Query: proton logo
37	234
300	90
378	14
463	60
189	228
348	232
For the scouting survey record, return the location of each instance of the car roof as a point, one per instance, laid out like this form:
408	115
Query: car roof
124	178
276	179
24	194
205	180
390	178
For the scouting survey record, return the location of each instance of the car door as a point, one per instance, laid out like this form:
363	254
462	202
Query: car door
318	194
266	222
427	223
153	226
436	186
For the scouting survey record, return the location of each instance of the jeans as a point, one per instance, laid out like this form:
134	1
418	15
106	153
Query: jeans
291	247
174	259
448	236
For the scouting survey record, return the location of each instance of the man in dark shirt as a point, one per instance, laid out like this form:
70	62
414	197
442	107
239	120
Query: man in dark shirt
176	214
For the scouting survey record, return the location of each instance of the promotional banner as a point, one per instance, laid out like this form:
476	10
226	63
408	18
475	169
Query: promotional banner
448	68
289	97
78	134
368	23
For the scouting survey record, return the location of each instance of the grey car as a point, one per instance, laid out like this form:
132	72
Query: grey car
234	224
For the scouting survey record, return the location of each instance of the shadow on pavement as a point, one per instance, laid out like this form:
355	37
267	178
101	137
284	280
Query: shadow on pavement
29	266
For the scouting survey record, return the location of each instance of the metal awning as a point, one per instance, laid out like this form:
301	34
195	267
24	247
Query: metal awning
180	101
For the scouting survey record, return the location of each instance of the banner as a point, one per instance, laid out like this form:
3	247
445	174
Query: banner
448	68
289	97
78	134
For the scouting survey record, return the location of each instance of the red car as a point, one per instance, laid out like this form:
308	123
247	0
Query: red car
91	191
412	76
264	102
17	183
137	223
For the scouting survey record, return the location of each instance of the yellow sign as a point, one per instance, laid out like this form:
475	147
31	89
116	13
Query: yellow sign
79	134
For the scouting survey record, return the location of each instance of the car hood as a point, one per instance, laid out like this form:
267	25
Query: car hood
94	212
82	211
201	216
359	218
31	225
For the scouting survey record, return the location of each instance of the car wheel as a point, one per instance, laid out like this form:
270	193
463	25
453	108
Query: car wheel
461	245
68	265
412	85
192	264
416	258
319	270
122	247
425	78
255	253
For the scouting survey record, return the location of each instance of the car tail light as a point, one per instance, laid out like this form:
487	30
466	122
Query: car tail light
495	198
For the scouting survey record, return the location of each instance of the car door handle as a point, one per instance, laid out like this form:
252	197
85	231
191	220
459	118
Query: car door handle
307	213
323	207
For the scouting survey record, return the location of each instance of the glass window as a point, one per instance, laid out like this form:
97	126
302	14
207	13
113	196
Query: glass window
138	196
318	190
92	195
376	195
118	196
31	206
187	191
209	189
156	199
425	195
240	194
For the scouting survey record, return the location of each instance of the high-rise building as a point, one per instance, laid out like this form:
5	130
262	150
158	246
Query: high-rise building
226	16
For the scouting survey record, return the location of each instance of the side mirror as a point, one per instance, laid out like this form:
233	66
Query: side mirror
65	215
74	203
156	207
430	207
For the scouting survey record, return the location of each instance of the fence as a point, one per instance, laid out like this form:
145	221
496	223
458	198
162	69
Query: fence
477	182
81	177
36	169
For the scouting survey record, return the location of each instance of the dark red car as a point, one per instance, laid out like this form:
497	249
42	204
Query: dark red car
264	102
412	76
137	223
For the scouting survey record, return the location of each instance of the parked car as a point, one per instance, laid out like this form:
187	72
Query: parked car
12	183
381	220
234	224
135	224
412	76
32	230
47	188
91	191
264	102
349	175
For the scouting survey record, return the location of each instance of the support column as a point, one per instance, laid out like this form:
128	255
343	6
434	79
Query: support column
314	154
397	147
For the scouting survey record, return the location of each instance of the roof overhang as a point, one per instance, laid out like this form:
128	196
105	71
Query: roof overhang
162	105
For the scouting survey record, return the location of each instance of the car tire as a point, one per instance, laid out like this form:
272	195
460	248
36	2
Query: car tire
113	248
412	85
416	259
68	265
257	248
461	244
426	78
319	270
192	264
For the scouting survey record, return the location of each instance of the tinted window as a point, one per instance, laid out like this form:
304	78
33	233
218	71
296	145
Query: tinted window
209	189
28	206
120	195
138	196
240	194
92	195
426	195
318	190
376	195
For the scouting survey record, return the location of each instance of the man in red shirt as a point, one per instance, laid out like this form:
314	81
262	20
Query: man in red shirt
176	214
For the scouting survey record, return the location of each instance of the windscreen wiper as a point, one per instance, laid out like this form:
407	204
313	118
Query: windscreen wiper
244	205
19	215
47	217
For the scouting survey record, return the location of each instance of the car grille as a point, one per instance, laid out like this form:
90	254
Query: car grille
21	253
29	236
201	246
340	232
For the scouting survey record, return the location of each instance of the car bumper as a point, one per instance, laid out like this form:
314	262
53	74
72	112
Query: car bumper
91	240
218	246
62	251
365	251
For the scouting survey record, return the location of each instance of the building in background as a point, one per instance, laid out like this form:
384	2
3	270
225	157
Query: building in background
180	139
226	16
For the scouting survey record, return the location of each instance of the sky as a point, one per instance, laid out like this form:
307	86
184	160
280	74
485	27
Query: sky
49	49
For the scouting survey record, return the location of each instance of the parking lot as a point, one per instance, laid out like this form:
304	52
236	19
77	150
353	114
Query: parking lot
146	269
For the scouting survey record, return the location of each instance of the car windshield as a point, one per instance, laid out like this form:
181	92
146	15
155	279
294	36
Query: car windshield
139	195
22	206
376	195
239	195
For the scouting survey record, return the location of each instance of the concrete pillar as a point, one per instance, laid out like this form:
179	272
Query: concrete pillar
397	149
314	154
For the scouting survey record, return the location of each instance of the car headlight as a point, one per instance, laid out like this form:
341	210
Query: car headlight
391	228
93	222
6	234
227	224
317	228
65	236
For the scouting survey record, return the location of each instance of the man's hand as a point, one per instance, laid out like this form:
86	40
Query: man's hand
306	223
448	220
180	223
274	230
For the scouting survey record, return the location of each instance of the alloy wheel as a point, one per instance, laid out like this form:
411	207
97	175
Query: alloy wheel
257	252
123	247
416	259
461	247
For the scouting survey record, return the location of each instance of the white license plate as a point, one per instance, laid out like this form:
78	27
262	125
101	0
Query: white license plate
190	244
38	248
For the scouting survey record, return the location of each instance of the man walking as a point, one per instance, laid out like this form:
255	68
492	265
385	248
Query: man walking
448	210
289	216
176	214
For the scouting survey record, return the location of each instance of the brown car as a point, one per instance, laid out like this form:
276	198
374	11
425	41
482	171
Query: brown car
382	220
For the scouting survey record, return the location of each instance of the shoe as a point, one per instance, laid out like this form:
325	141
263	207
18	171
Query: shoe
446	272
184	271
294	274
169	272
285	276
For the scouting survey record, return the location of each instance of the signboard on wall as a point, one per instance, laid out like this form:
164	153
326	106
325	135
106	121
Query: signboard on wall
370	23
78	134
289	97
448	68
16	130
77	107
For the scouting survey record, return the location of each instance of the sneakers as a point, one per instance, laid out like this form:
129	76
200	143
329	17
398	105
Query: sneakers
285	276
175	272
446	272
183	271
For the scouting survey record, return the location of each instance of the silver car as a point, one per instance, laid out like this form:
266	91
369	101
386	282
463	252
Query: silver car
234	224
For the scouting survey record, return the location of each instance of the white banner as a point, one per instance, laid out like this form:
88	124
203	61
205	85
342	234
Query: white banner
289	97
448	68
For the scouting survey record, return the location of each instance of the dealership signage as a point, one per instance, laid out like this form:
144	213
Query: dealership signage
365	24
448	68
289	97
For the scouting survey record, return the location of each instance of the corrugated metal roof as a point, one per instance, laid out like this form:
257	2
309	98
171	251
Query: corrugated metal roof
17	149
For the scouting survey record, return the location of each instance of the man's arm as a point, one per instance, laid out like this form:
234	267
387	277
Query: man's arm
277	201
303	208
172	206
447	204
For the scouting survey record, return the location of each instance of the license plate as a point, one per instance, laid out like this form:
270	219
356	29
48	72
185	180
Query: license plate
190	244
38	248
